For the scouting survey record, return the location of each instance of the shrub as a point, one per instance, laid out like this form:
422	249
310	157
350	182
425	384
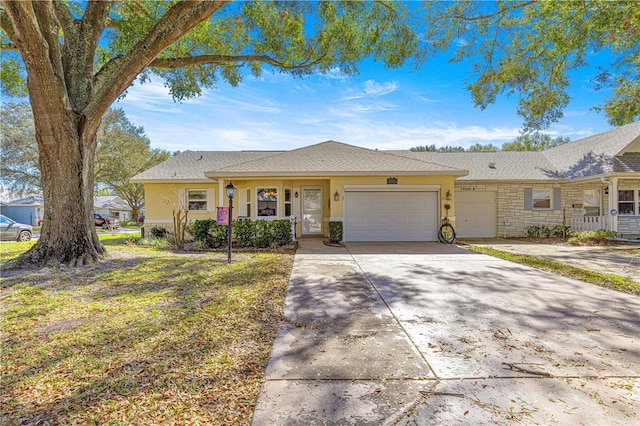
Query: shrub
601	236
263	237
281	230
219	235
534	231
557	231
335	232
244	232
158	232
201	232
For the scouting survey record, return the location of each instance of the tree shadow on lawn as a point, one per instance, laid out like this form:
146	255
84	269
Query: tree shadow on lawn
142	340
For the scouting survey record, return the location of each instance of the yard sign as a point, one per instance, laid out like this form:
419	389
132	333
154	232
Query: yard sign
223	216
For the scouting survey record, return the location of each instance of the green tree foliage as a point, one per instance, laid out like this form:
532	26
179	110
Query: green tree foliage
474	148
536	141
123	152
19	170
80	56
483	148
531	48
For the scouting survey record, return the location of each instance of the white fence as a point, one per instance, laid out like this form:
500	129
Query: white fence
589	223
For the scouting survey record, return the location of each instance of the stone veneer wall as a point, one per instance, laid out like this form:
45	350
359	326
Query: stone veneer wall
513	219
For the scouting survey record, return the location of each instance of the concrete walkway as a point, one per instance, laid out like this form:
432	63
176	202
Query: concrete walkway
424	333
618	260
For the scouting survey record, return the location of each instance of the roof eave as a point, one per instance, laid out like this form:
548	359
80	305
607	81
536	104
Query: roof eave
270	175
171	180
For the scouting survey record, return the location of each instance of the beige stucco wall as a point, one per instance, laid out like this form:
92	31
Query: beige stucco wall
162	198
512	219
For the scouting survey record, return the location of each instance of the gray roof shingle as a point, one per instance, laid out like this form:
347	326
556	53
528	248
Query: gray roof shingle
334	159
190	166
590	156
595	154
501	165
628	162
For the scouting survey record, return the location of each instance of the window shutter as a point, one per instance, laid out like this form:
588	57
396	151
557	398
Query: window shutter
211	200
240	202
528	198
182	199
557	199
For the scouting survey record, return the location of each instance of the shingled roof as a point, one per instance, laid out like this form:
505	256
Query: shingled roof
595	154
501	165
615	150
334	159
190	166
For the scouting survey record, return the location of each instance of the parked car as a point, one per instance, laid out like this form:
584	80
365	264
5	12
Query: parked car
10	230
105	221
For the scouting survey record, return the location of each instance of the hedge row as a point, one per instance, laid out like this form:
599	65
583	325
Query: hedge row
246	233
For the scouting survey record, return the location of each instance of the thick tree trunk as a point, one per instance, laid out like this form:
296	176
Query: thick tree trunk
66	163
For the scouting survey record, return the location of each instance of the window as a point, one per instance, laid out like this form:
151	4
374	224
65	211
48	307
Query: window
627	202
197	199
591	202
287	202
267	201
541	199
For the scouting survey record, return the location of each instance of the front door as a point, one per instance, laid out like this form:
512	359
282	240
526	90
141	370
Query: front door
312	211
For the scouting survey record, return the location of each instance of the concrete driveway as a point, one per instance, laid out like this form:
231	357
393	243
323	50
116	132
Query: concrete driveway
418	333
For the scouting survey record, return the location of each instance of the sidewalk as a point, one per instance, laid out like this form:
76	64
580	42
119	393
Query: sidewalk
615	260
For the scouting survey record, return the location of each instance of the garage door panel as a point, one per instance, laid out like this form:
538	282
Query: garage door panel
476	214
391	216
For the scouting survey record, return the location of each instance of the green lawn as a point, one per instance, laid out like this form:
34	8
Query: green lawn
146	336
614	282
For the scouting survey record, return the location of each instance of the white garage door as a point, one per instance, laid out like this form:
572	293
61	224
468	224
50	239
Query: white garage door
476	214
390	216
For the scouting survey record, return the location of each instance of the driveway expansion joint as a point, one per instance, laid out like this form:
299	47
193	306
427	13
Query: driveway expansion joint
510	343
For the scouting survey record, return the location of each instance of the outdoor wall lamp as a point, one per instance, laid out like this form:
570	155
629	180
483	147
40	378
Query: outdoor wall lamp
336	196
231	192
296	194
448	195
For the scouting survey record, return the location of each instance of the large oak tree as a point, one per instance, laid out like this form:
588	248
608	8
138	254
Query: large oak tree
79	57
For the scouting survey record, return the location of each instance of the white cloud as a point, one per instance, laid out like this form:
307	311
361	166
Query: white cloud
150	96
373	89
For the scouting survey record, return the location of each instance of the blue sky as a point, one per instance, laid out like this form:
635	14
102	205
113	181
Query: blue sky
379	108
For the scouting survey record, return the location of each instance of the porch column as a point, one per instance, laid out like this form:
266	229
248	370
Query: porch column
613	203
221	192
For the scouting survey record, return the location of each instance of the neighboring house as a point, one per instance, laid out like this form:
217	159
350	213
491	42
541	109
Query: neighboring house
27	210
112	206
591	183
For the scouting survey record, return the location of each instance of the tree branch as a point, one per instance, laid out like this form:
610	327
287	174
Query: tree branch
172	63
5	23
8	46
496	13
64	16
94	20
118	74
